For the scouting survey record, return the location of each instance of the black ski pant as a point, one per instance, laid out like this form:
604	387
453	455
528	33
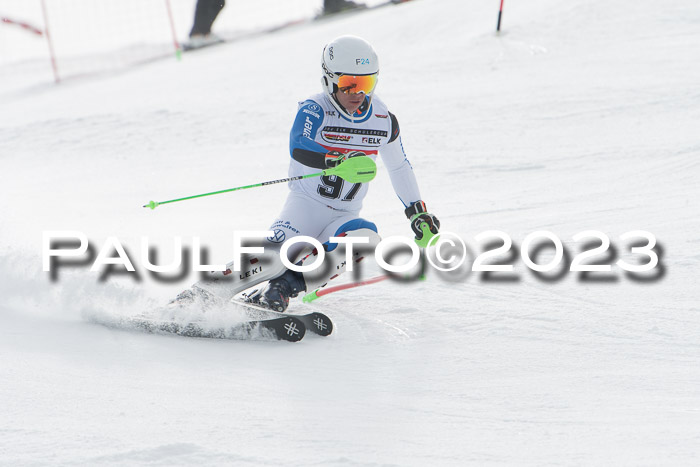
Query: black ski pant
204	15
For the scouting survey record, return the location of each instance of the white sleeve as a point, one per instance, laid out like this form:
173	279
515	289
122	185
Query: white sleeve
402	178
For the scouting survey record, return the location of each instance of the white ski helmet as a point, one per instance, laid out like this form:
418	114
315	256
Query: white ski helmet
349	64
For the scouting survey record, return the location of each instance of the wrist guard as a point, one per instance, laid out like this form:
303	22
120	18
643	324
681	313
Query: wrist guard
416	208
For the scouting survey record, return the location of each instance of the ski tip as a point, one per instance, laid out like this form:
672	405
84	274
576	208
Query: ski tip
320	324
290	329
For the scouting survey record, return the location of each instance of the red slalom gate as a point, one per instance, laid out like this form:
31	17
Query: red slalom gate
22	25
500	13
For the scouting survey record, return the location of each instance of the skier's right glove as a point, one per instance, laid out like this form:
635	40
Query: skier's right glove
334	158
424	224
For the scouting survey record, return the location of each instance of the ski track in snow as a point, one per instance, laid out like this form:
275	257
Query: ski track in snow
579	115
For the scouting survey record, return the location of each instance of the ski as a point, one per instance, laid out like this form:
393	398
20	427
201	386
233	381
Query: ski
287	328
190	46
316	322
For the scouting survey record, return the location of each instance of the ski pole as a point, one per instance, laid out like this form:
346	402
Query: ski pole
154	204
359	169
318	293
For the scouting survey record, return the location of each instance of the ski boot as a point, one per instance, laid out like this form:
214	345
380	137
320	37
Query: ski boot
278	291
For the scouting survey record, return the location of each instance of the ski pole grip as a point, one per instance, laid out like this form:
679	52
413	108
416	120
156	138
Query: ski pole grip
427	237
360	169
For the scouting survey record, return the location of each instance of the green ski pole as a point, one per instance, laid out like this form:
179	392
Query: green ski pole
361	169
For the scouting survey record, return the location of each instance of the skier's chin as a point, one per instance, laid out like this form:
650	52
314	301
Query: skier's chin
352	107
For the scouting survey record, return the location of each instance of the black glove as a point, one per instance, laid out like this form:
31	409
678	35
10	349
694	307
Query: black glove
418	215
334	158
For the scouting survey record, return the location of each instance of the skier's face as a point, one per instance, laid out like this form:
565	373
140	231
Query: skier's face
351	102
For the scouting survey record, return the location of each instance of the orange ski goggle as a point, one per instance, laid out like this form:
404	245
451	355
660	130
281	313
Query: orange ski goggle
356	84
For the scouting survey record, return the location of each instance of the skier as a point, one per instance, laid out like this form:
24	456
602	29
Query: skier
346	120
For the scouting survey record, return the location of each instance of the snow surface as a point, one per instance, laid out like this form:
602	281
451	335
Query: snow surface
580	115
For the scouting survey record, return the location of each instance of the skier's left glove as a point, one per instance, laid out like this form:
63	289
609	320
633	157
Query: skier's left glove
424	224
334	158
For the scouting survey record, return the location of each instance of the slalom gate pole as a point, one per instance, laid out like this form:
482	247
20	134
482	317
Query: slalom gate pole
54	65
22	25
500	13
354	170
176	43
